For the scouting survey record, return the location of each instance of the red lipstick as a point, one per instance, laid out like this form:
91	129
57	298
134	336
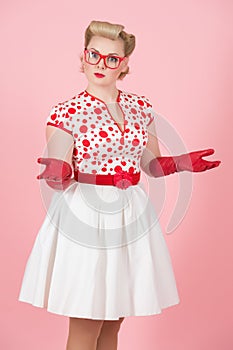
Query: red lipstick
98	75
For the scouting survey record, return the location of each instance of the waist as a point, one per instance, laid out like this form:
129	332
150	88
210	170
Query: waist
121	179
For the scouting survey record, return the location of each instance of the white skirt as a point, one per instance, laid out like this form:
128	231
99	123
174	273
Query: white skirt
100	254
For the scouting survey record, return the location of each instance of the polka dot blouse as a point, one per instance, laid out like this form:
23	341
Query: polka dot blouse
101	145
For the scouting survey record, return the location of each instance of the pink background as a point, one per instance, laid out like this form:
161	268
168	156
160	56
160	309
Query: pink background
183	63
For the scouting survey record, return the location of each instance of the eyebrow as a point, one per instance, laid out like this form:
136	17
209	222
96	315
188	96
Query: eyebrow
111	53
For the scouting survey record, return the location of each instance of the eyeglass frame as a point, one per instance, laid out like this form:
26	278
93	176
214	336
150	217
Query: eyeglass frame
104	57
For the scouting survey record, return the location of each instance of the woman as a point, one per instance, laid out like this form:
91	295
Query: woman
100	254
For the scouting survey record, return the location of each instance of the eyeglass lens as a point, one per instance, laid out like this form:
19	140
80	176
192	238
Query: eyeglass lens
93	57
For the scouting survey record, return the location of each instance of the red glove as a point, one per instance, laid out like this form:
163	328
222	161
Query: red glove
57	173
162	166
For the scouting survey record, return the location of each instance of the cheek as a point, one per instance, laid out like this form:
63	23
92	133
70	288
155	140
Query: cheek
88	69
114	73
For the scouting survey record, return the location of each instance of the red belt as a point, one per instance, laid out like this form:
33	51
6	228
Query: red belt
121	179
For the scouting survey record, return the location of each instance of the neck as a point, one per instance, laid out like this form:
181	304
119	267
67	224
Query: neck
104	93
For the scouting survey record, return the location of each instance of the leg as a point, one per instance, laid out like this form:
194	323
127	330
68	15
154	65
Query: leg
83	333
108	337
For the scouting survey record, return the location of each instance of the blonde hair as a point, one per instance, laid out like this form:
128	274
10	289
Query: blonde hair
114	32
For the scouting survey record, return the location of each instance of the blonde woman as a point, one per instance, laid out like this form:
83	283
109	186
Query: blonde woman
100	254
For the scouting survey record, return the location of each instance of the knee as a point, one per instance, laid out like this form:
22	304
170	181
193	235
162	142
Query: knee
85	327
112	326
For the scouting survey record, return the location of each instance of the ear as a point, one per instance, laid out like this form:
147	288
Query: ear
125	63
81	57
126	60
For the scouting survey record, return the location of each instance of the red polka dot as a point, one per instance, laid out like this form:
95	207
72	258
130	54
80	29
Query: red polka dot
109	149
143	114
97	111
75	152
131	169
140	102
118	168
104	169
86	155
86	143
135	142
123	162
83	128
133	110
84	121
75	135
54	116
103	133
71	110
137	126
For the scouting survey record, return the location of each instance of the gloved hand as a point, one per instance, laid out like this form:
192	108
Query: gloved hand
57	173
162	166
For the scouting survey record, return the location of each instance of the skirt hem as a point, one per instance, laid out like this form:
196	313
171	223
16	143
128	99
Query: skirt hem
68	314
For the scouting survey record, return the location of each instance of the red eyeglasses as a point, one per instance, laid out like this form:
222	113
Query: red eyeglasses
111	61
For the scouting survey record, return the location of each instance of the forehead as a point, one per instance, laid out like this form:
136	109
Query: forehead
106	46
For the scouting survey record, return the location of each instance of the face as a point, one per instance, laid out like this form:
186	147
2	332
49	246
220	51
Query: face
105	46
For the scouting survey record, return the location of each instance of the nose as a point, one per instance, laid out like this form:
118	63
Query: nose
101	63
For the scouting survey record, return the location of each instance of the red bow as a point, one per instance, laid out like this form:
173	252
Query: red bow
122	179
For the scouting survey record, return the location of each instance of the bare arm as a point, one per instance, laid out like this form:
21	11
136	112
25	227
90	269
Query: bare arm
59	144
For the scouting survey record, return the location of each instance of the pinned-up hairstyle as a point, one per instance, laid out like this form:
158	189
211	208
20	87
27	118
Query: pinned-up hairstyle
111	31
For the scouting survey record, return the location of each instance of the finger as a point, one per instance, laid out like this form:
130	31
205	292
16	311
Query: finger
206	152
44	175
40	176
49	178
214	164
43	161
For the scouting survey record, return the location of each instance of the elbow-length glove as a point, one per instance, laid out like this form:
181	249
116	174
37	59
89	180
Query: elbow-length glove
57	173
162	166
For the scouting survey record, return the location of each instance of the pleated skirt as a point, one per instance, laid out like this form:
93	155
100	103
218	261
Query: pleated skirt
100	253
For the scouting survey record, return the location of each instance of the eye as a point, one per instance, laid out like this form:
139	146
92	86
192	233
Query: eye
93	54
112	59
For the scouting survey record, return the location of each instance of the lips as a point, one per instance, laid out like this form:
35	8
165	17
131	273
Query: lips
99	75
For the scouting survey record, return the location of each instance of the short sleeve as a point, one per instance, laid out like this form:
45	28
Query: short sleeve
149	111
60	117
